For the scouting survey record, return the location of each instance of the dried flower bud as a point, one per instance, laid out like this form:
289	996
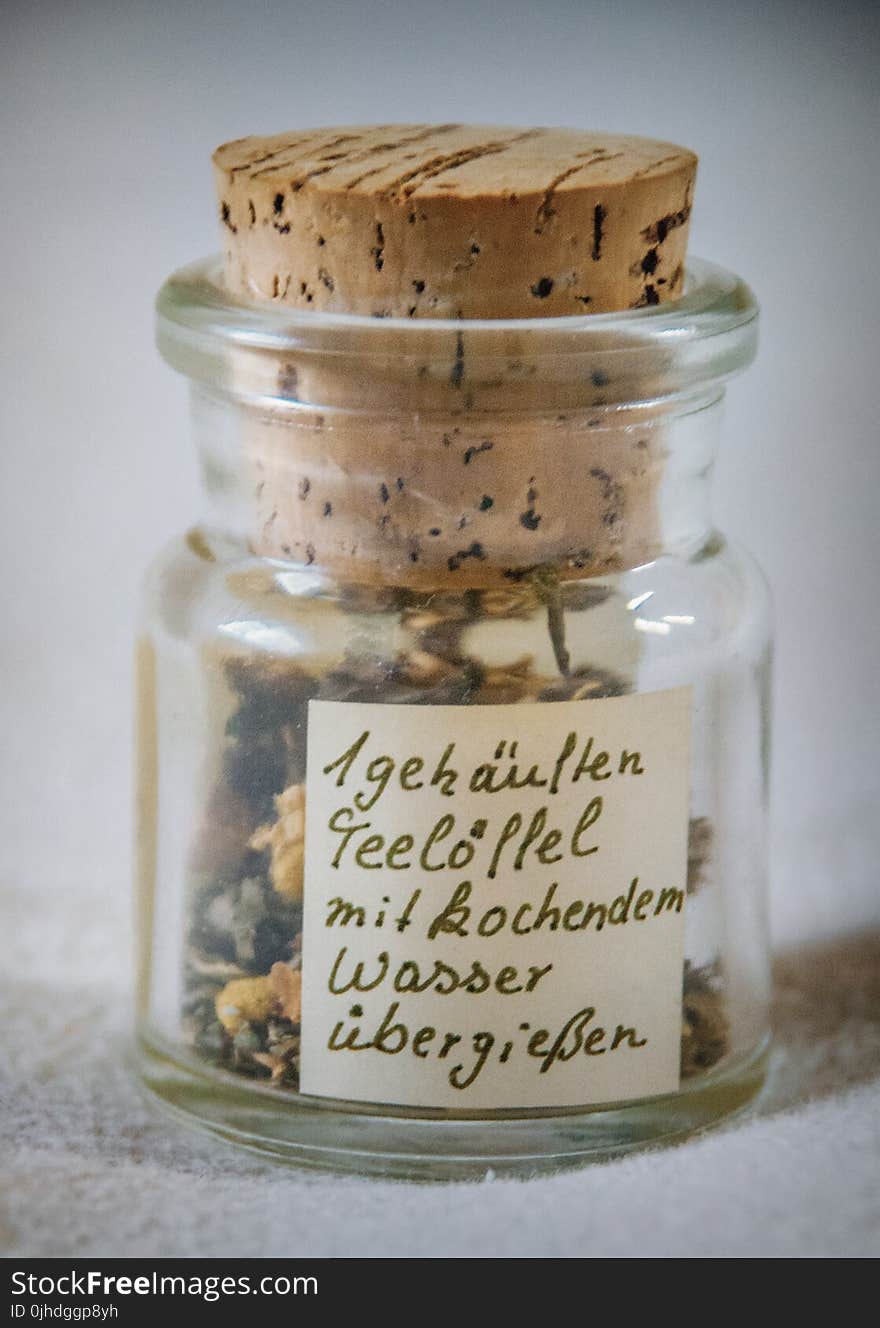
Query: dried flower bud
285	839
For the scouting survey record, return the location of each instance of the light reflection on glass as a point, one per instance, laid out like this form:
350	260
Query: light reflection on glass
656	628
278	640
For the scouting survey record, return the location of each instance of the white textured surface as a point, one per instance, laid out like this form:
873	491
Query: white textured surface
110	113
89	1170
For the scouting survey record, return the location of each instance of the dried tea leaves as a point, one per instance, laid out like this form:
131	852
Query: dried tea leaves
243	983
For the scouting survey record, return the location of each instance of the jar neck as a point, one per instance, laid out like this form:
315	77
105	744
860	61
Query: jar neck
459	497
445	453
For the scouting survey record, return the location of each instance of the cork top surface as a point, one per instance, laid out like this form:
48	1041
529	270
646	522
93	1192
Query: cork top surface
465	161
454	221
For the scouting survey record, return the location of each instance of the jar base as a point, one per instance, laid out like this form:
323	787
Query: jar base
324	1136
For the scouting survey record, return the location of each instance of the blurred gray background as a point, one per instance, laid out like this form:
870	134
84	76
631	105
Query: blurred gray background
110	113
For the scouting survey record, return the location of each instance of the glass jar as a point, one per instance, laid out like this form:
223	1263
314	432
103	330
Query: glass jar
396	915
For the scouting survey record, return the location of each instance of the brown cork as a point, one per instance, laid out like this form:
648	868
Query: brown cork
454	455
447	501
455	221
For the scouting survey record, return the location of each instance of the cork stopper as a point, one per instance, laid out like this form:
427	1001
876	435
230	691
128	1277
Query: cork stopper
455	221
452	453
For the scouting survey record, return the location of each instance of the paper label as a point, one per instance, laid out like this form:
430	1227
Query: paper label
494	902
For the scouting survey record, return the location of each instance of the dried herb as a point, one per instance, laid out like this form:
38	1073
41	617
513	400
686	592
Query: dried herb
242	978
705	1032
700	838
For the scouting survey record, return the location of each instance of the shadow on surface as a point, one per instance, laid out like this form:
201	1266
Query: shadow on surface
826	1021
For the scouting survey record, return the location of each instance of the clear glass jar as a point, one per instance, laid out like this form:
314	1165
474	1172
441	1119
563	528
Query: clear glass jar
464	515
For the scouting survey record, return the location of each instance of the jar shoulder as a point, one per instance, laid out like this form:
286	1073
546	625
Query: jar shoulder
181	586
718	591
714	602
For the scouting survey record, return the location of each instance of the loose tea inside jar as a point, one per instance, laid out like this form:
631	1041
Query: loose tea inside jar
455	392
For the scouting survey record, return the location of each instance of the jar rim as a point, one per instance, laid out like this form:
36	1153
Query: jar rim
652	352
